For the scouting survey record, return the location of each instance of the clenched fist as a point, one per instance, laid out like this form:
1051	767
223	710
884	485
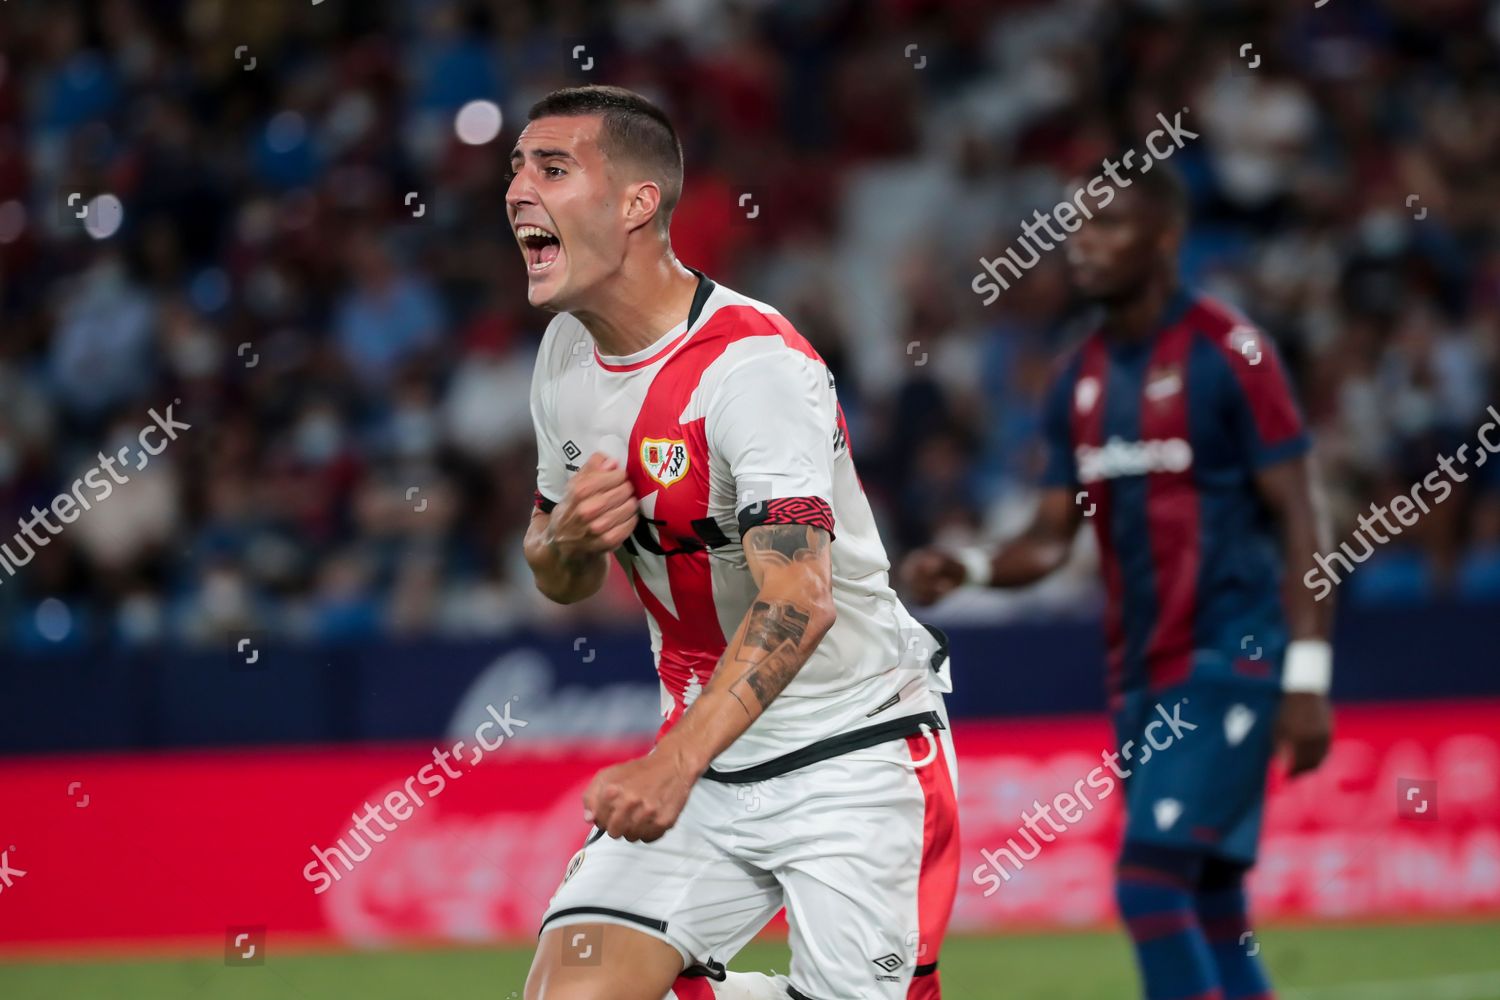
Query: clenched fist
931	574
640	799
1304	729
597	513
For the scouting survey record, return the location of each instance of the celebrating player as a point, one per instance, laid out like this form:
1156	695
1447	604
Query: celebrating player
1174	430
803	761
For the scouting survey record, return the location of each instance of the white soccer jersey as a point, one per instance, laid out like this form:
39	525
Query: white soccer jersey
728	421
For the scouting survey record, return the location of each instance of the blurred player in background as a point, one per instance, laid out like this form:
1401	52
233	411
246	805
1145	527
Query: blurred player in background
695	435
1173	429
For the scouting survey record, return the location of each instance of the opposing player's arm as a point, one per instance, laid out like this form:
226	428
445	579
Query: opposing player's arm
1274	438
1305	723
1042	548
1289	489
792	611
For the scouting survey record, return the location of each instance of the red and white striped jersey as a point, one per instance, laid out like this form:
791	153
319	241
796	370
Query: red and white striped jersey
728	421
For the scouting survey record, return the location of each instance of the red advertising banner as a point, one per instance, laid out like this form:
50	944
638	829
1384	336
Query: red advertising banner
372	847
1401	820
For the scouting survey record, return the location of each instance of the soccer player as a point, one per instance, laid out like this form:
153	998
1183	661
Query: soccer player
803	761
1172	428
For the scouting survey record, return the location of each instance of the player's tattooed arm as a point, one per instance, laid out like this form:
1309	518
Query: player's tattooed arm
774	545
772	640
792	567
772	646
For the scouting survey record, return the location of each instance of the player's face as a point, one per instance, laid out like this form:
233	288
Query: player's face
1117	251
565	210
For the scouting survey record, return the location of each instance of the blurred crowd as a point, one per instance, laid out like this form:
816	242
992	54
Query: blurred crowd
310	264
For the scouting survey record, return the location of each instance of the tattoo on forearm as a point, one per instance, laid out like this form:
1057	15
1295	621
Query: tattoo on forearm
770	676
771	626
785	542
773	647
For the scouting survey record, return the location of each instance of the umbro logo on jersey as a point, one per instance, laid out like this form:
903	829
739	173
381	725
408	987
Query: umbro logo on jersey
572	451
890	963
664	461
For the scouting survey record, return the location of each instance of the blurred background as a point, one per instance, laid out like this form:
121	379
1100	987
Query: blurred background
285	219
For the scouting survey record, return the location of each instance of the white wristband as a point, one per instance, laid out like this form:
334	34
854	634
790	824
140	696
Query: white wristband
1308	667
976	563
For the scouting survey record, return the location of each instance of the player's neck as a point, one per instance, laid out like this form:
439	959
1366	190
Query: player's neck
1138	317
638	305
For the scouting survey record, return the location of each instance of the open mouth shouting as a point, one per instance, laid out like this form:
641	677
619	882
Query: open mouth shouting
540	247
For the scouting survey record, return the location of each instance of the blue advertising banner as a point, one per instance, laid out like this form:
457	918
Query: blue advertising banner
256	690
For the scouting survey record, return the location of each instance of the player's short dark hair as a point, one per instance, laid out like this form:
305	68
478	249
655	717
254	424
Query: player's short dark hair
1163	189
634	130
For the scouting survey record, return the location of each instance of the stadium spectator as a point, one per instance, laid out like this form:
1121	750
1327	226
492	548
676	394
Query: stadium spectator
334	350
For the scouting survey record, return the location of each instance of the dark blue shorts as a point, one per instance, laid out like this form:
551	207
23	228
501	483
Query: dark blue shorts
1197	756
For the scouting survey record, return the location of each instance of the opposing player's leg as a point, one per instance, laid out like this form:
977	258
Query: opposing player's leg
1185	805
1224	913
1155	888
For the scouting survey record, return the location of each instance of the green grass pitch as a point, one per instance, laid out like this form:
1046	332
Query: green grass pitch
1387	962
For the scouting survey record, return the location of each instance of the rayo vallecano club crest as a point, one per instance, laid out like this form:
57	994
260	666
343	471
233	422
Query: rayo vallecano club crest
664	461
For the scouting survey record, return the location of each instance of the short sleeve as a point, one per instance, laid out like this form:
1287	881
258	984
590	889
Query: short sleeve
773	419
1262	408
551	468
1059	467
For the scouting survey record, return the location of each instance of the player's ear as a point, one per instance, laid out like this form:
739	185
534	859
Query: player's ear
644	200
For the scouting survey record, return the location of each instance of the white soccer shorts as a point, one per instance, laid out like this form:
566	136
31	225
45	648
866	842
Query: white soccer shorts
840	843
